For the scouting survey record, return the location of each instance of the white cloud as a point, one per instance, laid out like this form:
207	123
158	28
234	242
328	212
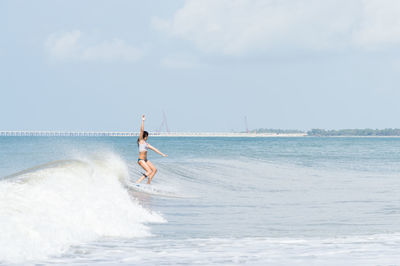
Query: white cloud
236	27
64	46
74	46
379	25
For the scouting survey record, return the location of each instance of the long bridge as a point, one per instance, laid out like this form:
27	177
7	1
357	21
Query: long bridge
135	134
66	134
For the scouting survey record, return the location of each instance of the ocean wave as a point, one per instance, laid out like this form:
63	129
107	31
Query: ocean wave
46	209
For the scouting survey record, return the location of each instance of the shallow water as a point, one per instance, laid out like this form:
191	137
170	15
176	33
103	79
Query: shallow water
254	201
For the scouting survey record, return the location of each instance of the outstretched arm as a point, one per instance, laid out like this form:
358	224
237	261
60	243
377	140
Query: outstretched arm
142	128
155	149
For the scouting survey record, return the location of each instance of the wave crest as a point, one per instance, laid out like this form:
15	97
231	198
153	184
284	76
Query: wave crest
46	209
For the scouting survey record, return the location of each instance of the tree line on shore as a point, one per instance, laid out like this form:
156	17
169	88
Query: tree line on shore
355	132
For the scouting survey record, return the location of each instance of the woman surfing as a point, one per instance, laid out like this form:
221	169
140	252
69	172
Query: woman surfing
150	169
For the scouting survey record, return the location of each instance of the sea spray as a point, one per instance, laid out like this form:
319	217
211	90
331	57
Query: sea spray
46	210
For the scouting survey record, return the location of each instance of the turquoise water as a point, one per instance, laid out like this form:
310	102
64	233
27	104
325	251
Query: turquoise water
225	201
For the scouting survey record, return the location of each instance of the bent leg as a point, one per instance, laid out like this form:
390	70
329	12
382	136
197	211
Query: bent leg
148	170
153	171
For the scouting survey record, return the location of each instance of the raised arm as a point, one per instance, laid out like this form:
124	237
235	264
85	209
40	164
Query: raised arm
142	128
155	149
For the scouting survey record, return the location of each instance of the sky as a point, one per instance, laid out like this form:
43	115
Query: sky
290	64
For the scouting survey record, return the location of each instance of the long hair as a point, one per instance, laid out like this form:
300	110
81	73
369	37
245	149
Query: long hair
145	134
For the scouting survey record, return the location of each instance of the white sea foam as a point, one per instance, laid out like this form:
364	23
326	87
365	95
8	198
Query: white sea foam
46	210
352	250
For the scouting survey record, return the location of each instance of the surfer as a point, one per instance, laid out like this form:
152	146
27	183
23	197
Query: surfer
150	169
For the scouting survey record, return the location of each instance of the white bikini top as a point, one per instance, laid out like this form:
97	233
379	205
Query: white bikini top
143	147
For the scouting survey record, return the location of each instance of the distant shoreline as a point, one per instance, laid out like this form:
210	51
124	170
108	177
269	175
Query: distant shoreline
177	134
135	134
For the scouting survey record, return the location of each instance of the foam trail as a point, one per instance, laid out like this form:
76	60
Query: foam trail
46	210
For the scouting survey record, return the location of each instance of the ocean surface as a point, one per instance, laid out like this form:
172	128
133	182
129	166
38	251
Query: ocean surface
214	201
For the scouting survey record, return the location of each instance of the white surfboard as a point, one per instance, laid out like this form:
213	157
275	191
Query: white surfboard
151	189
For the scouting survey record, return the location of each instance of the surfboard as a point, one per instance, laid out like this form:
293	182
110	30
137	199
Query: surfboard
152	190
